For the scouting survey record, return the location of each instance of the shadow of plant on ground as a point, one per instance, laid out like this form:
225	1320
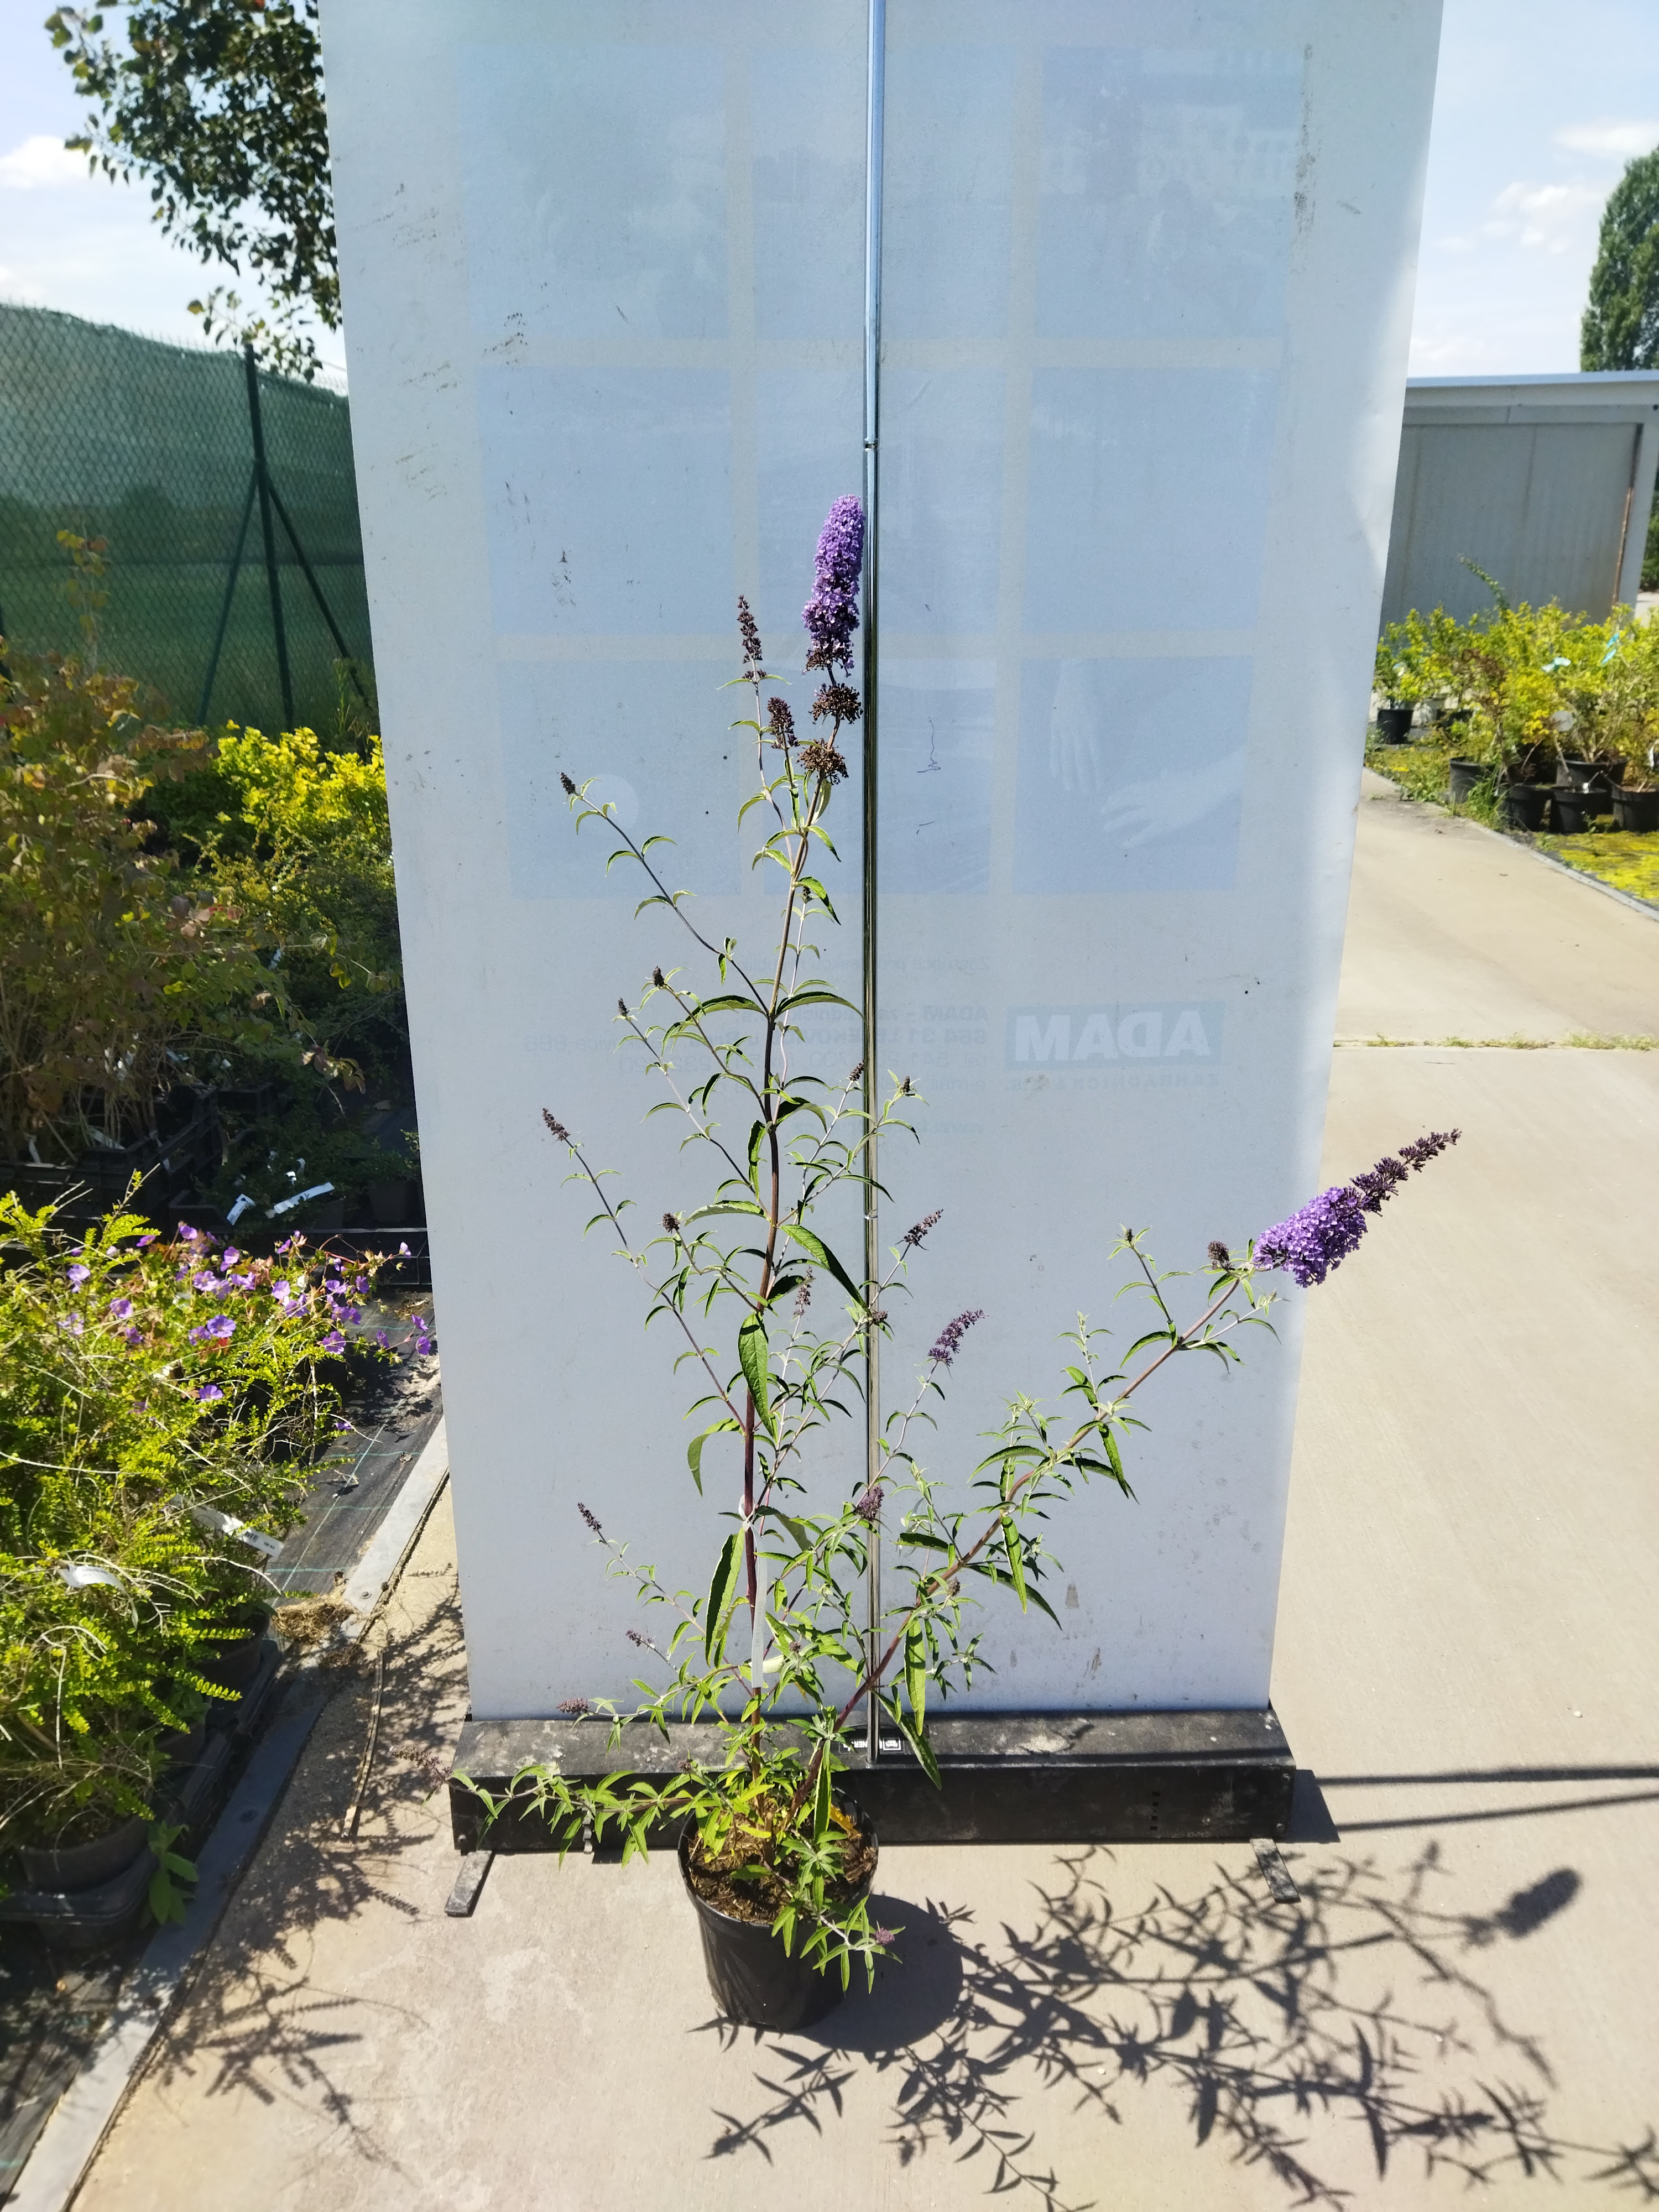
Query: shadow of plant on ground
253	2019
1364	2002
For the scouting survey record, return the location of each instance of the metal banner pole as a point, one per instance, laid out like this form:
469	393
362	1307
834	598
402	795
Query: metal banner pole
871	1073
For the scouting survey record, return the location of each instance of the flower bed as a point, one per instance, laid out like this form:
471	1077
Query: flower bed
162	1401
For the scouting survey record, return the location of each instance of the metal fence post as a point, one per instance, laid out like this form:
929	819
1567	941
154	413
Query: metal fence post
262	479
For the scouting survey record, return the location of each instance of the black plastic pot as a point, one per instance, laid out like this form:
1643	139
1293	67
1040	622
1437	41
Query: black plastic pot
1594	775
1636	810
1575	809
1394	725
184	1747
1464	775
234	1662
752	1978
1524	805
84	1866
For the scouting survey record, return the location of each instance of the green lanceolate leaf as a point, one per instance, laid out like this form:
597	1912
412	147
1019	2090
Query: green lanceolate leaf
719	1597
915	1736
816	1249
915	1671
694	1450
757	1373
1011	1545
821	1803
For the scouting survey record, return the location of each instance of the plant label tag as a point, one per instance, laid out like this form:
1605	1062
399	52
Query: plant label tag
79	1574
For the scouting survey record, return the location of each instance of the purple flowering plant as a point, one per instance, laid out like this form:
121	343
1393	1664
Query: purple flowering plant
781	1647
160	1398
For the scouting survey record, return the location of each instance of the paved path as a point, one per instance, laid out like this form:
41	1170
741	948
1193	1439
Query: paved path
1457	931
1466	1659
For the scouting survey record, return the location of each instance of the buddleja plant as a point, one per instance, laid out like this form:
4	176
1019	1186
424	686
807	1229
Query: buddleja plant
778	1648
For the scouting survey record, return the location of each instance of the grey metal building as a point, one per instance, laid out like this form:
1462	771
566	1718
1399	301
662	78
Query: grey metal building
1545	482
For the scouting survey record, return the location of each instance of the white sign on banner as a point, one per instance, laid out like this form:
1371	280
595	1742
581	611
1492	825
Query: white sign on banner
1145	297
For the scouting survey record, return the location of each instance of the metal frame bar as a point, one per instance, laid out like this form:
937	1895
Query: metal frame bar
268	532
230	594
872	187
310	575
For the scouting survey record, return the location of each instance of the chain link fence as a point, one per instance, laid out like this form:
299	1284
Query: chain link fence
230	508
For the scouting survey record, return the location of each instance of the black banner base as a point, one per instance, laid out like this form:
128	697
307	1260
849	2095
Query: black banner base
1184	1776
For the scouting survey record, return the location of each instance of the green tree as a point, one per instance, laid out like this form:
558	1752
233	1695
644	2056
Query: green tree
1621	328
217	105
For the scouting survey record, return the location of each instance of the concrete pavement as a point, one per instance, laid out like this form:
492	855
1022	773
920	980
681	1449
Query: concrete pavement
1466	1660
1457	931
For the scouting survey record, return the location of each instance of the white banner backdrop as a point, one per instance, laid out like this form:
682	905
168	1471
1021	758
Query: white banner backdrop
1145	293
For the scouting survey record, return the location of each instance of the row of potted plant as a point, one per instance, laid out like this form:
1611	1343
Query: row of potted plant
162	1399
1557	714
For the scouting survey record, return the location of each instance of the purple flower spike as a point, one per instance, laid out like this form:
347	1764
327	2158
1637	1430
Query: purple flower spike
831	615
1320	1235
1317	1237
950	1337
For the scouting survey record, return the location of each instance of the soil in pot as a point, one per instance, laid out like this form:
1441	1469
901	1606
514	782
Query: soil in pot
84	1866
1524	805
1636	810
753	1980
1394	725
1464	776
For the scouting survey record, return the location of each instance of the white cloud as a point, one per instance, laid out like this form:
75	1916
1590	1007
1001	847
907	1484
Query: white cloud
42	161
1546	218
1614	142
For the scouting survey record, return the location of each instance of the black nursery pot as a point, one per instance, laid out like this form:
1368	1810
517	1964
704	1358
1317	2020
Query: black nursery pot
84	1866
234	1660
1595	776
1636	810
1464	775
1574	809
753	1980
1523	805
1394	725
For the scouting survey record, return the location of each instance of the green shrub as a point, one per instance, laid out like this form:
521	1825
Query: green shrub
119	973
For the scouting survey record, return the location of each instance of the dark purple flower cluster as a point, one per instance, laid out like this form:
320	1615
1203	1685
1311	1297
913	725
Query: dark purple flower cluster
950	1337
831	615
868	1507
1321	1234
915	1234
1317	1237
592	1519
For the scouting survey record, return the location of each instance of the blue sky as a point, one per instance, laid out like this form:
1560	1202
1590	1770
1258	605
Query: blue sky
1539	106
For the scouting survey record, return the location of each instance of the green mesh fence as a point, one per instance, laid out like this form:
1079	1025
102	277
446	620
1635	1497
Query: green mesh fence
151	447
